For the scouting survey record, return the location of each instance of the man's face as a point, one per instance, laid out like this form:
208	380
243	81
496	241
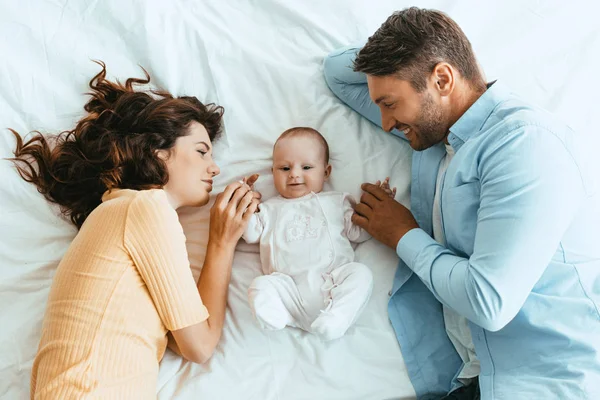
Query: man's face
417	114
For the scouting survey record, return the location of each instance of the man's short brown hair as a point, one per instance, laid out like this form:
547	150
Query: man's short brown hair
411	42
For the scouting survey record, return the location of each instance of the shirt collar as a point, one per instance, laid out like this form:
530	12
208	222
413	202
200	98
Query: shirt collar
476	116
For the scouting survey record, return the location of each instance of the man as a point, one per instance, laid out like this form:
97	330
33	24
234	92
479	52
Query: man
498	287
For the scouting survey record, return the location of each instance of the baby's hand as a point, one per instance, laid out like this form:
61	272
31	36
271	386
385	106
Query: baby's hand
385	185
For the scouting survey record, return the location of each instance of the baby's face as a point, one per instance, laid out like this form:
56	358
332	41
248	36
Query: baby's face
299	166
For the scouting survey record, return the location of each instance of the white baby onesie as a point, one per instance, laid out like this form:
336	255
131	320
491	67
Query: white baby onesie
310	278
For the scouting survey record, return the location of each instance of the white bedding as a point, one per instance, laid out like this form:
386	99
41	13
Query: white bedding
262	62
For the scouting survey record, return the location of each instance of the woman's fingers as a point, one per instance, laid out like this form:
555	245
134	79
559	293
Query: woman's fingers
237	196
244	203
224	198
237	201
251	179
250	210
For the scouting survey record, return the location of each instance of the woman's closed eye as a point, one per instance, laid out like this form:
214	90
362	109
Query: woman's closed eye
202	152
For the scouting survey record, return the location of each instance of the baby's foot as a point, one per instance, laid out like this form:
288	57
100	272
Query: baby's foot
266	304
328	327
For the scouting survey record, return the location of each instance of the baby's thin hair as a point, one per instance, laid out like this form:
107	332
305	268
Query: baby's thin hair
306	131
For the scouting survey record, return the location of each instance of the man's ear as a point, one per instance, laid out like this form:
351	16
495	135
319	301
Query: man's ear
444	76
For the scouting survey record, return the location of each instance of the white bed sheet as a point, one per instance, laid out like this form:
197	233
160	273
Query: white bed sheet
262	62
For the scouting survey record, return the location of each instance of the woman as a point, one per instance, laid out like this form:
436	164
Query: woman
125	281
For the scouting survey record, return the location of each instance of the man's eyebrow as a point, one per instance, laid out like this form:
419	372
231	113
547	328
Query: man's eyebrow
381	98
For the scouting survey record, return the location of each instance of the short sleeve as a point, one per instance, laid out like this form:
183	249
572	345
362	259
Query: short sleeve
156	242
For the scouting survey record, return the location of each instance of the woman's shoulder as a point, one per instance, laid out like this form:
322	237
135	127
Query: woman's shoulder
130	195
151	209
139	205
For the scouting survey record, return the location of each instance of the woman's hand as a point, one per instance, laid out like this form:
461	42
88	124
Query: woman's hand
229	217
231	212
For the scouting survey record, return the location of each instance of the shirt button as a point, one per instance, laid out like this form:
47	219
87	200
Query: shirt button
390	293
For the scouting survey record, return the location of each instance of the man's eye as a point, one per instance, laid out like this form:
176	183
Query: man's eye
388	105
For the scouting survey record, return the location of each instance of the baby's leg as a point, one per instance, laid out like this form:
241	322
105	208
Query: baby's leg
349	289
271	298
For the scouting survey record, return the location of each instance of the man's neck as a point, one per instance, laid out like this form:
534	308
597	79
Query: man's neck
464	98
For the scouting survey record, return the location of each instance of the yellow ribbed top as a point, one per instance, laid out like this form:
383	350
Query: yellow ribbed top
124	281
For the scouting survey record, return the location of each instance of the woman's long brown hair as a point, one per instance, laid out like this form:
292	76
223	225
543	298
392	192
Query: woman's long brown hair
113	146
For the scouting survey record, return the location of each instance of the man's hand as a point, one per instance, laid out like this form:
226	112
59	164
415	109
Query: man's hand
383	217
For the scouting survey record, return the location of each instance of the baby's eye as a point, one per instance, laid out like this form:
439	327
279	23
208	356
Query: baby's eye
306	167
285	168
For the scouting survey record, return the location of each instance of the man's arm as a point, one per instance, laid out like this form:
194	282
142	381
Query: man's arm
351	87
531	188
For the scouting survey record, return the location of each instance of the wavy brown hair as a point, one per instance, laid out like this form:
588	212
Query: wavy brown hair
113	146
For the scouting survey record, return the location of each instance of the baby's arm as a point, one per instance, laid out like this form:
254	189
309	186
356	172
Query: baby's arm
254	229
353	232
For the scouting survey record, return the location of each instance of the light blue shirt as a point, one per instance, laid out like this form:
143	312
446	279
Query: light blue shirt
521	220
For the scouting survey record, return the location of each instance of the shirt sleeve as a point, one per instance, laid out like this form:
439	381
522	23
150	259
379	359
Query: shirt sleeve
156	242
353	232
530	191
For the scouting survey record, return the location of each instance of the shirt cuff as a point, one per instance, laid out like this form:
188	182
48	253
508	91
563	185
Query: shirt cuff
411	244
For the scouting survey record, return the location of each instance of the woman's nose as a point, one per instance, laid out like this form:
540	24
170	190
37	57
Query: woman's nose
214	169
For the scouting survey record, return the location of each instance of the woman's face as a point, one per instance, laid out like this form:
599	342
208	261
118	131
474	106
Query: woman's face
190	167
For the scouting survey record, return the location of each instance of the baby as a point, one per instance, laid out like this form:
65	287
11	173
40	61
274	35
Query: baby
310	278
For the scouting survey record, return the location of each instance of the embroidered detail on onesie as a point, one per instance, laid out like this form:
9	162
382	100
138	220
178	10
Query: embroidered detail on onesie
299	229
